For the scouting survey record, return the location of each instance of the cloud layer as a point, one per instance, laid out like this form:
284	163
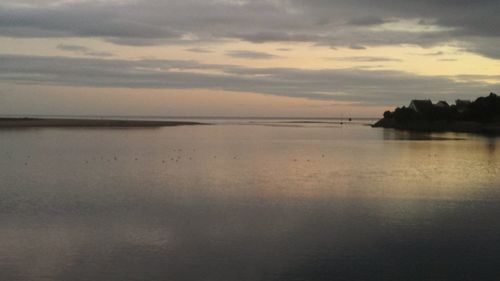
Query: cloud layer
359	23
350	85
217	31
83	50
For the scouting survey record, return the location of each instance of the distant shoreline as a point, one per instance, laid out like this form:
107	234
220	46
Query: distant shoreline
68	122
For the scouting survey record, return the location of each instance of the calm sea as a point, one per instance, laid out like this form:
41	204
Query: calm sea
248	200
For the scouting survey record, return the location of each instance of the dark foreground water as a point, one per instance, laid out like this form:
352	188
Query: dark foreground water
261	201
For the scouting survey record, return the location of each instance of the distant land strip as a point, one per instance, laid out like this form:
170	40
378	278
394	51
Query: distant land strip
59	122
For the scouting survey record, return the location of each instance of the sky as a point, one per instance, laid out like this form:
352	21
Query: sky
298	58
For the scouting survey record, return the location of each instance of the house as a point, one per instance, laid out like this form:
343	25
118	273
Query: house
421	106
462	105
442	104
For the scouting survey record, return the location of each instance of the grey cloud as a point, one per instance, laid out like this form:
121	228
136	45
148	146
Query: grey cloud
271	36
80	19
199	50
72	48
353	85
357	47
321	22
243	54
139	42
83	50
485	46
434	54
367	21
473	77
366	59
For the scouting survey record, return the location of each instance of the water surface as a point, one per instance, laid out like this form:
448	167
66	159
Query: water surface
248	200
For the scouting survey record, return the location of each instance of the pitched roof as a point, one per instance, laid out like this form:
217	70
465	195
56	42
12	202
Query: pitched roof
421	105
442	103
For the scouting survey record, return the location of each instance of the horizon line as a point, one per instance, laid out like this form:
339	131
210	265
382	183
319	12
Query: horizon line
182	116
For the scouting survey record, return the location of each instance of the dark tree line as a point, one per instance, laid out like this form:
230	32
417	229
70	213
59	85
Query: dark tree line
483	109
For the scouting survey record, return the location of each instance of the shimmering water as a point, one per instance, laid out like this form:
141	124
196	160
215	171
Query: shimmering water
248	201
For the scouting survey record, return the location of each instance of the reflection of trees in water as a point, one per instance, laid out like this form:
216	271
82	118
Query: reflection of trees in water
492	144
393	134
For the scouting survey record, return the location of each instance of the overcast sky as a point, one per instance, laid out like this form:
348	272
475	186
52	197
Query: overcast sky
242	57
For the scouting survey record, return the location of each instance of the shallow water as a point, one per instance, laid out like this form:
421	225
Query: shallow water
261	200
